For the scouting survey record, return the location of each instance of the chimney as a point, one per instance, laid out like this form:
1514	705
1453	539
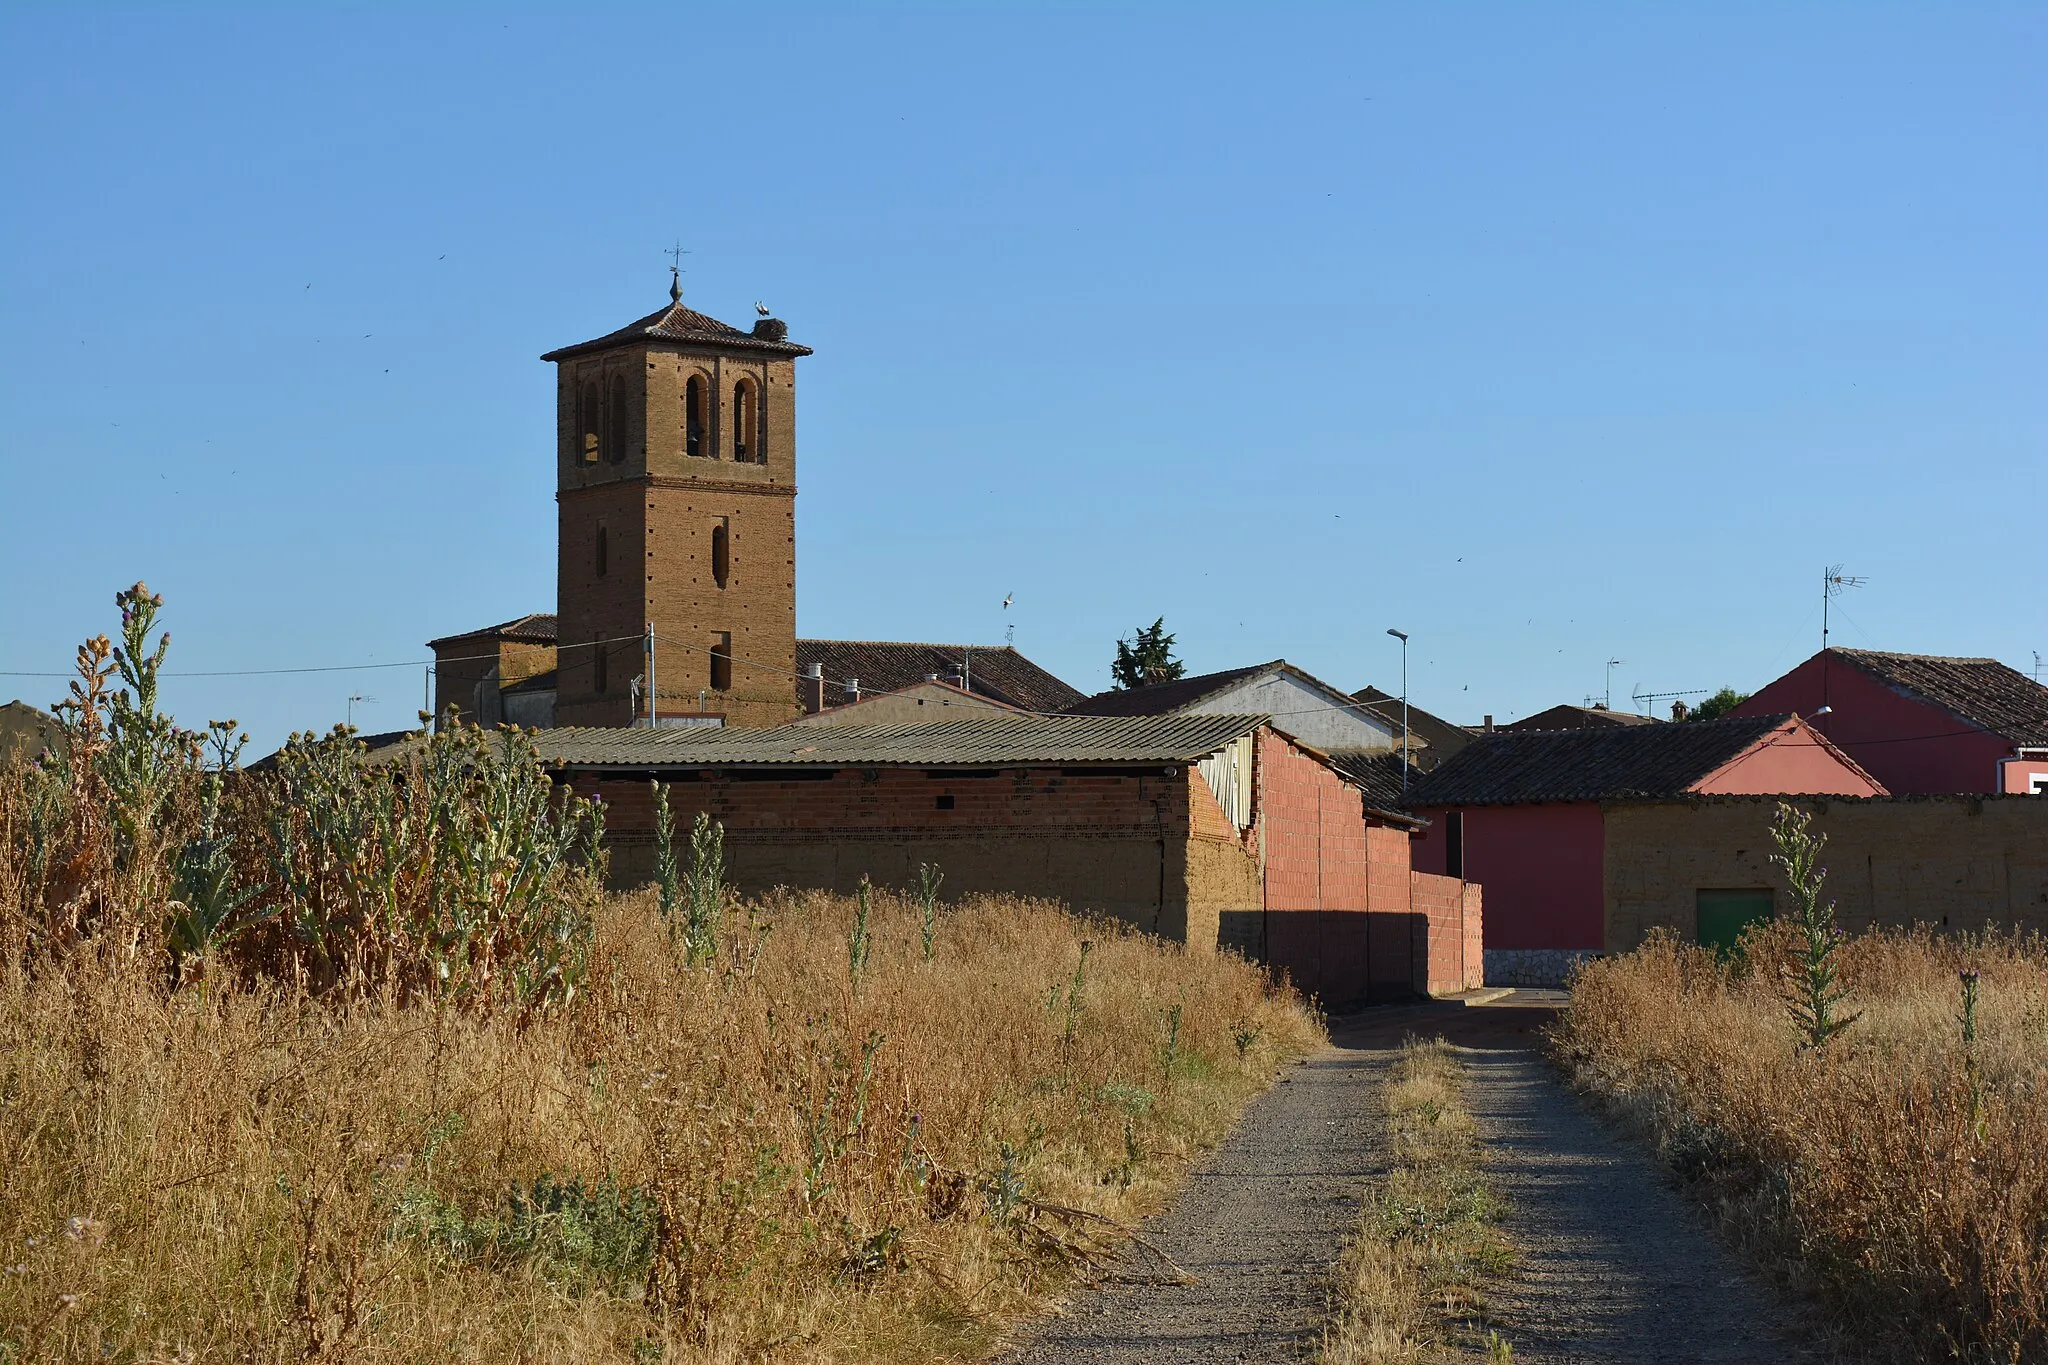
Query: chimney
1679	710
810	689
958	679
1487	725
852	691
931	677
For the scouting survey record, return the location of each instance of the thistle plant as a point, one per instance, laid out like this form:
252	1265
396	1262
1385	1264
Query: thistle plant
208	891
929	879
1813	993
1074	995
668	881
859	941
706	889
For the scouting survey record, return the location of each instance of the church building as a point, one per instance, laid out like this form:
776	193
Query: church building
675	477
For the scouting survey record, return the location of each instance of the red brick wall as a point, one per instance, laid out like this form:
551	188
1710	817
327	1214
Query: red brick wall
1450	954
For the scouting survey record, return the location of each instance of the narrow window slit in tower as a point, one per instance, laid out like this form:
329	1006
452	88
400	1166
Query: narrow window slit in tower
721	662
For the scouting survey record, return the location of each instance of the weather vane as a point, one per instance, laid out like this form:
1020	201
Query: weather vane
675	271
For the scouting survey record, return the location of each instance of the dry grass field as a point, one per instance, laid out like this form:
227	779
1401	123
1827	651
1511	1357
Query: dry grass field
348	1061
1899	1170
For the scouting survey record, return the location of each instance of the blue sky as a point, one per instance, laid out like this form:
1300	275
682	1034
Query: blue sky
1549	334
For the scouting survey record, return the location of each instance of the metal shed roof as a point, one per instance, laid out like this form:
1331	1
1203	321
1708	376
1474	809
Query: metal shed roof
1001	741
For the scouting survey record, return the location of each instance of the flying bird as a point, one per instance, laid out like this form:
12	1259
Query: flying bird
1008	598
762	308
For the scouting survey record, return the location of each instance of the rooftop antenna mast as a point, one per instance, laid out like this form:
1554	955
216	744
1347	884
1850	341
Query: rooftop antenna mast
1607	701
1833	583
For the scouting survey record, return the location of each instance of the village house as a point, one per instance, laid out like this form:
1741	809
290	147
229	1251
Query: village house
1211	830
1528	815
1922	722
1302	706
1595	717
1432	739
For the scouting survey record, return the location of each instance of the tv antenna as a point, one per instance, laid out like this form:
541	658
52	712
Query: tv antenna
1832	585
353	699
1607	699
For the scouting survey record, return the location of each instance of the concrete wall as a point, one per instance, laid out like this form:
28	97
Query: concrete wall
1954	861
1907	744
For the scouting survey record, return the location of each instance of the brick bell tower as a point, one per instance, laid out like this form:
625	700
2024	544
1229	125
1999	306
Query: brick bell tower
676	492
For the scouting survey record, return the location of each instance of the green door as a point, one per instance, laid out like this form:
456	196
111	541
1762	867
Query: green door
1723	915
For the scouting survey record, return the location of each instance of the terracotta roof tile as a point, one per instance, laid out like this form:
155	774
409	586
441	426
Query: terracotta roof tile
686	325
998	672
1984	692
1613	762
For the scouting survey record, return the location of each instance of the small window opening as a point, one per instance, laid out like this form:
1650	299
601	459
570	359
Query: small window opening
603	551
601	667
587	420
693	416
721	554
721	663
742	421
945	802
618	422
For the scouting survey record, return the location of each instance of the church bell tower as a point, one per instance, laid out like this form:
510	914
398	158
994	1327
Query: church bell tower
676	495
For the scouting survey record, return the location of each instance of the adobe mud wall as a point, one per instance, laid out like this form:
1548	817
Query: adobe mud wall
1113	843
1960	862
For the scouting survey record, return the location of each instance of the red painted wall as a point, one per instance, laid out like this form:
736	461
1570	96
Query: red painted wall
1908	745
1789	761
1541	867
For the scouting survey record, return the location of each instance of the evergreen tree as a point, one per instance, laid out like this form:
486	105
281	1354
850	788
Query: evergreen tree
1146	658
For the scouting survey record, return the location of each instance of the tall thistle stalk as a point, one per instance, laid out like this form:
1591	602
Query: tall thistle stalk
1813	992
929	879
706	887
859	942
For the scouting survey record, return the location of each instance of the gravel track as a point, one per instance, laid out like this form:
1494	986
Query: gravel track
1613	1263
1258	1227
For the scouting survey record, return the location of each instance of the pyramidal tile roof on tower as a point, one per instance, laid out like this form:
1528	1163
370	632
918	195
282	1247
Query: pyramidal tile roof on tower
688	326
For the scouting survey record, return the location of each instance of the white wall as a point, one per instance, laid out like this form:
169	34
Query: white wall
1303	713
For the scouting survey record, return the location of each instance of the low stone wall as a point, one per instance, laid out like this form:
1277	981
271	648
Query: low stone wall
1534	966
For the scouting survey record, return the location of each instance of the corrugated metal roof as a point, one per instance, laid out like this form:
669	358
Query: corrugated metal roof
1000	741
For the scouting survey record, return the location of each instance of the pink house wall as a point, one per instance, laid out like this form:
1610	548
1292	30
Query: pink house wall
2020	774
1790	761
1541	867
1910	746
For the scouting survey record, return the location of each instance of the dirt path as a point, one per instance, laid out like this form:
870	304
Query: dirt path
1258	1227
1614	1264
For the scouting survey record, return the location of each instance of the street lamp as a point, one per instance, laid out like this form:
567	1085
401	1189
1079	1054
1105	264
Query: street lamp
1402	636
